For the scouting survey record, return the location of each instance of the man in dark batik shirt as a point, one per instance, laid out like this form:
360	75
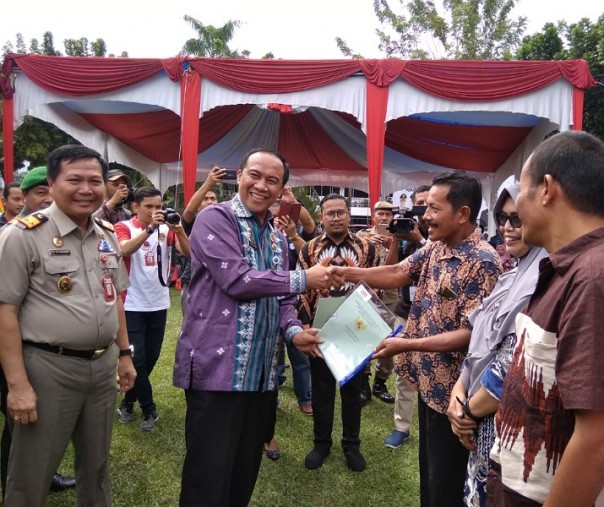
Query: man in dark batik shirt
336	247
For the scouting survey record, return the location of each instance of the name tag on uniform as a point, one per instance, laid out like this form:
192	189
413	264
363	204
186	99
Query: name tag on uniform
59	251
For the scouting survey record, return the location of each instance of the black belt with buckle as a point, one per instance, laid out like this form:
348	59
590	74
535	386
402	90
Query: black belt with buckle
89	354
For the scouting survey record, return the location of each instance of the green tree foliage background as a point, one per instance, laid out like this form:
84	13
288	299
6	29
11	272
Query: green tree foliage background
585	40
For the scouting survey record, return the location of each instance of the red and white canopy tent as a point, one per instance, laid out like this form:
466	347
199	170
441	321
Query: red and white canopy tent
376	125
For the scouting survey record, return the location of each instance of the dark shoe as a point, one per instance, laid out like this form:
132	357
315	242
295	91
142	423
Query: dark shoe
126	412
365	394
315	458
61	483
306	408
380	390
274	453
396	439
354	459
149	421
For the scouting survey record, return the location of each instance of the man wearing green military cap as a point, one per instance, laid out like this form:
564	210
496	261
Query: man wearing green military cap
36	192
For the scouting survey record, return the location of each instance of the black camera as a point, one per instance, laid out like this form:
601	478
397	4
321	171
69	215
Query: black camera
170	216
129	198
404	223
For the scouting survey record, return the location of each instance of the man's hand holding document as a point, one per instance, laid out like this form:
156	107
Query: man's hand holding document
355	325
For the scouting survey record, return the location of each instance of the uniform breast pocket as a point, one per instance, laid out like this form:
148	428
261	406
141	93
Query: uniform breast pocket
63	275
108	262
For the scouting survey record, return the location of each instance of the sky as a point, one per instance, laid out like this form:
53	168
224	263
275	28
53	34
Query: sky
303	29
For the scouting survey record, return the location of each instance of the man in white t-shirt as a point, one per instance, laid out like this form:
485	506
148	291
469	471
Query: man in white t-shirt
146	241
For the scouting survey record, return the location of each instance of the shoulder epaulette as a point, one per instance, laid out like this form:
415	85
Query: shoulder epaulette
104	224
30	221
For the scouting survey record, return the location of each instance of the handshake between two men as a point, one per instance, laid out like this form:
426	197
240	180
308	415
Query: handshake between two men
334	277
320	278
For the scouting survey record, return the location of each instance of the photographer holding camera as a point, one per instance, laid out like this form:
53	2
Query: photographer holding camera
118	192
146	241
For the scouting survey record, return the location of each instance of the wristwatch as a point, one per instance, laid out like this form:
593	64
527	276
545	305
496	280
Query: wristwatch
149	229
127	352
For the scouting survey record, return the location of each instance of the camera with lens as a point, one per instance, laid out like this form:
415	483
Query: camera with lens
170	216
129	198
404	220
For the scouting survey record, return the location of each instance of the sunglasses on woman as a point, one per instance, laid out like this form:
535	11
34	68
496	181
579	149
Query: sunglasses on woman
514	219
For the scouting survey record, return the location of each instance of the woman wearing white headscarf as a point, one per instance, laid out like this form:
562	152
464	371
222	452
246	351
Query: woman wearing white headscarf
476	395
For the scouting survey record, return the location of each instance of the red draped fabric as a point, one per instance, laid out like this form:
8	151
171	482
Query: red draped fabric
8	138
190	104
155	134
304	145
492	80
578	96
377	102
87	76
273	76
466	147
454	80
215	124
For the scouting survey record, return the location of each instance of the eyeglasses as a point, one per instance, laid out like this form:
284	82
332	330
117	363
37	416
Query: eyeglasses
514	219
341	213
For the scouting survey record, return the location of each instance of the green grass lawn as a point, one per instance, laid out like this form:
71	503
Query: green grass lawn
146	466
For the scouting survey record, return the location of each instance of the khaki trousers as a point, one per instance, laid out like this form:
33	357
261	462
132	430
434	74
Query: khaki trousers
76	400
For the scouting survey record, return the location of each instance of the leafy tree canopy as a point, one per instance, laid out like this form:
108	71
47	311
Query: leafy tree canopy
579	40
211	41
464	29
72	47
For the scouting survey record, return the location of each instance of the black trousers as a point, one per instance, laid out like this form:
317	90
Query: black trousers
442	460
272	418
323	401
224	433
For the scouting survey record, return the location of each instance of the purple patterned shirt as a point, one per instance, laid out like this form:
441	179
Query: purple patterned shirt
241	296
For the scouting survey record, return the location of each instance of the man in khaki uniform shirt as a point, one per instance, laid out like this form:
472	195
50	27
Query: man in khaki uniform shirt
63	329
405	395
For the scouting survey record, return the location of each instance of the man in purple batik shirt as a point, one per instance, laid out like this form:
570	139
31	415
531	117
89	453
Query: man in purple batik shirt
241	295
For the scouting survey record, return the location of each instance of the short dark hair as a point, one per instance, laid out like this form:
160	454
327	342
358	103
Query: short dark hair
332	197
576	161
8	186
272	152
464	190
143	192
69	153
419	190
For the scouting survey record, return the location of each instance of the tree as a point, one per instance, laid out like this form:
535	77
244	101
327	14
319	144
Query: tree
34	46
98	47
465	29
212	42
76	47
580	40
48	45
35	139
546	45
20	44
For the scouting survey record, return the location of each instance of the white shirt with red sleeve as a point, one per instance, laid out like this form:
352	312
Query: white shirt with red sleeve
146	293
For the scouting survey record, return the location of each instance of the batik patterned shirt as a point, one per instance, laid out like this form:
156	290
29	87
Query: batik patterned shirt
241	297
352	252
451	283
